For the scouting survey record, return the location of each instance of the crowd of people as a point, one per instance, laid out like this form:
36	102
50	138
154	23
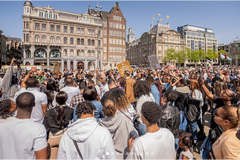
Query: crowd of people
145	114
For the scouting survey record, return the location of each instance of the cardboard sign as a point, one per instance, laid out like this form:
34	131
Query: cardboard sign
153	61
57	68
33	67
123	67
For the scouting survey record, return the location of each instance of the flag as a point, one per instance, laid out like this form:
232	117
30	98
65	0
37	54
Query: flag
228	59
209	60
225	56
153	18
222	57
162	19
159	14
167	16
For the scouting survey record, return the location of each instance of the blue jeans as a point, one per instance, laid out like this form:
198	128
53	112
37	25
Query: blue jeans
176	144
142	129
192	126
183	124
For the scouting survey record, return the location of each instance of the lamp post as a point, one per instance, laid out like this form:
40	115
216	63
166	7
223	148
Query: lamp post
98	10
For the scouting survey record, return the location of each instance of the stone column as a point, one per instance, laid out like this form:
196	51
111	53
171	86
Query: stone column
96	63
62	64
47	61
74	64
86	64
68	64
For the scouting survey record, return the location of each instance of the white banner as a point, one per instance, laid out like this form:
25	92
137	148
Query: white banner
153	61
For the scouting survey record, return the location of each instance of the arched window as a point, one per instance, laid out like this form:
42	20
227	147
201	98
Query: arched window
93	53
27	38
65	52
44	39
55	53
37	38
82	41
89	53
78	30
40	53
52	39
58	40
78	52
28	54
82	53
99	43
78	41
89	42
71	52
65	40
93	32
93	42
71	40
99	54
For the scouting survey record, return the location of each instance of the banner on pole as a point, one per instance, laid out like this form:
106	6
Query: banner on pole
57	68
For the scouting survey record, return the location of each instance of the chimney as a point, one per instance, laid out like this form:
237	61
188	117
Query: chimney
157	22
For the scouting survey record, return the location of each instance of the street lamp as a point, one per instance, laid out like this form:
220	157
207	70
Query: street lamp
98	10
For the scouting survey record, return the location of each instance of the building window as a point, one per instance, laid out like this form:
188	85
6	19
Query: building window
123	26
50	14
104	49
105	24
110	24
65	29
52	39
110	32
71	30
113	25
120	26
120	34
93	54
93	43
82	31
89	31
46	14
93	32
52	28
58	40
44	39
104	32
123	34
166	47
40	14
113	41
82	53
82	41
104	40
27	25
110	40
78	30
37	38
71	52
110	49
89	42
55	16
89	53
27	37
58	28
99	43
65	40
37	26
28	54
78	41
65	52
71	40
113	33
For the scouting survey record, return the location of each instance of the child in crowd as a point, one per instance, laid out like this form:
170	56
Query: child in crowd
185	146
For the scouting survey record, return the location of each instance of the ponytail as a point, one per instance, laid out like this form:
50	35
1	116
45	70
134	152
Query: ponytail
61	116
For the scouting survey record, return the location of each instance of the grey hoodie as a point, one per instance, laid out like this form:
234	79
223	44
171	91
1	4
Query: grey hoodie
94	141
120	128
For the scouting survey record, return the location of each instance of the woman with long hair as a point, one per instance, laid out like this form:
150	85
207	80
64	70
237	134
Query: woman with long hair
7	108
56	121
51	93
122	104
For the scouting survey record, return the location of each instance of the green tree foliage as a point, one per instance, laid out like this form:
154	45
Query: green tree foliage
223	52
211	54
179	57
169	56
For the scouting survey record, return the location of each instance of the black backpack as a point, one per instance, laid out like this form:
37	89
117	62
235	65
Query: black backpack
192	109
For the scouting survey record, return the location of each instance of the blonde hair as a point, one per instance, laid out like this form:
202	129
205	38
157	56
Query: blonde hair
219	87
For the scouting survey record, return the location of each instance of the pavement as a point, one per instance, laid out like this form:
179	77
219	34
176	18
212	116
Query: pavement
196	150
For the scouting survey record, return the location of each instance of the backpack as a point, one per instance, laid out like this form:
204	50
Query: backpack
192	109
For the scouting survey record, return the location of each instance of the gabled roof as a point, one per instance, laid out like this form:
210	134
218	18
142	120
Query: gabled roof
103	13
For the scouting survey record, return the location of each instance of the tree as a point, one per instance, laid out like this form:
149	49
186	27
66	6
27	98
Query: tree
169	56
211	54
179	57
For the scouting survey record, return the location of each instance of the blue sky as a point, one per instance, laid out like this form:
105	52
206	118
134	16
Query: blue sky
221	16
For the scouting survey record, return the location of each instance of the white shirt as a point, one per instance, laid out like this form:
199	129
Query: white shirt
104	90
20	138
40	99
98	89
157	145
71	91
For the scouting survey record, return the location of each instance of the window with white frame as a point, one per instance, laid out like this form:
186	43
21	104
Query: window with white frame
104	49
44	39
110	24
113	41
110	49
123	26
104	40
52	39
120	41
104	32
110	32
58	40
116	41
113	33
120	26
105	24
37	38
113	49
110	40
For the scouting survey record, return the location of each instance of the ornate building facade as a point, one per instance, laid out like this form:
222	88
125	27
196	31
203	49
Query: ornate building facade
157	41
114	36
53	36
